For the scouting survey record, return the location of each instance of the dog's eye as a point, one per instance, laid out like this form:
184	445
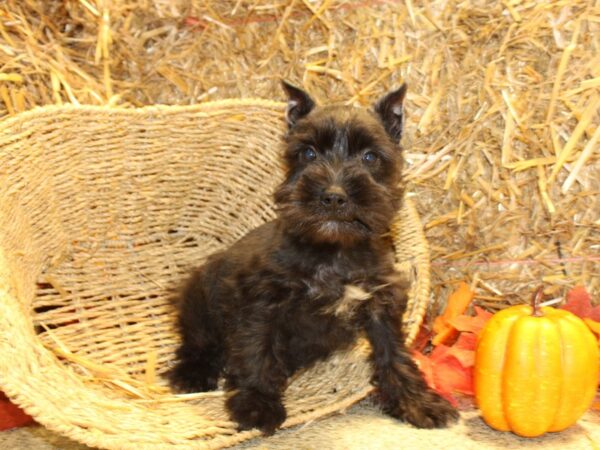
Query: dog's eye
309	154
370	157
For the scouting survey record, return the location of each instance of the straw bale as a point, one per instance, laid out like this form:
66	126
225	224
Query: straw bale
502	112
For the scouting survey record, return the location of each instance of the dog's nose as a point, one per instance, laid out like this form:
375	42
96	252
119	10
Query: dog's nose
334	197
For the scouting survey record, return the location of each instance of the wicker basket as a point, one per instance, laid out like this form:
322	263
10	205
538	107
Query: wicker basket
102	212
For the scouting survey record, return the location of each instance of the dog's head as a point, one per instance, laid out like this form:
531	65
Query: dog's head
343	169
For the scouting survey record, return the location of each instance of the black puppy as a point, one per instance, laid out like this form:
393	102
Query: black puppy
304	285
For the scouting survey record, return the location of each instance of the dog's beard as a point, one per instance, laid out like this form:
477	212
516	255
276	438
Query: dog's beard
322	229
344	232
369	211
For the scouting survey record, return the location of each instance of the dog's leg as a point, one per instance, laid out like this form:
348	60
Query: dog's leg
200	354
255	375
401	387
197	368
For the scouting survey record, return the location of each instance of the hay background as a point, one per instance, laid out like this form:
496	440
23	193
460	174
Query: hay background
502	137
502	129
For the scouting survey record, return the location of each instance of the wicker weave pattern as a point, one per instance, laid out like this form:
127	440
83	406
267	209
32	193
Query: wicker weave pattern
102	211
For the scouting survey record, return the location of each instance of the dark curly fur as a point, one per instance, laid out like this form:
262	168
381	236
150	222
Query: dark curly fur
304	285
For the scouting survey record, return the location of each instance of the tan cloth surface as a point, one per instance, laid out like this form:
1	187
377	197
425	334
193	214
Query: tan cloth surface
364	427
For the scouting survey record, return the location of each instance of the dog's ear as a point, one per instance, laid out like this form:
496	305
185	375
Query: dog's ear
299	103
389	110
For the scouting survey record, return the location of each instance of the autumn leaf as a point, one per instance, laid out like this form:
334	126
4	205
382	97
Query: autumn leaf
11	416
450	375
466	341
445	335
464	349
448	369
425	366
472	324
458	302
429	369
579	302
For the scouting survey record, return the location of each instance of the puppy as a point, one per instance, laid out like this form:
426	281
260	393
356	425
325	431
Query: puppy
306	284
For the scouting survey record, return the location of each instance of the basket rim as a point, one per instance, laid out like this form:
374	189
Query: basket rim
136	110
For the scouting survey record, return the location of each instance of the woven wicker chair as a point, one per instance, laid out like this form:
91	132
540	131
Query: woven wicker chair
102	212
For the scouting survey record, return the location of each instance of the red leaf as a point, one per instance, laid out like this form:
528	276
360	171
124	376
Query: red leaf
595	314
578	302
444	372
426	366
472	324
464	349
466	341
465	357
439	353
452	376
11	416
449	375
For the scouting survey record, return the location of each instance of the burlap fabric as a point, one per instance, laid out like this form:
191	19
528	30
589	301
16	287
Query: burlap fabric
102	212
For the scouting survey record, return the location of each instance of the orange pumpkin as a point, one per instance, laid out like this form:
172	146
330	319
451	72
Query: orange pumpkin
536	369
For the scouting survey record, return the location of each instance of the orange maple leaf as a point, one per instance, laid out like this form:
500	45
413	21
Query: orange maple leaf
471	324
445	373
579	303
428	369
449	367
452	376
464	349
458	302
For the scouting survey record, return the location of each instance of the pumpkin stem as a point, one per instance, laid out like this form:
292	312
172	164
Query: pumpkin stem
535	302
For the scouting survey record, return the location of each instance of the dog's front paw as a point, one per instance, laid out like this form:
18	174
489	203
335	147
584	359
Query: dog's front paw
253	409
428	410
187	377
